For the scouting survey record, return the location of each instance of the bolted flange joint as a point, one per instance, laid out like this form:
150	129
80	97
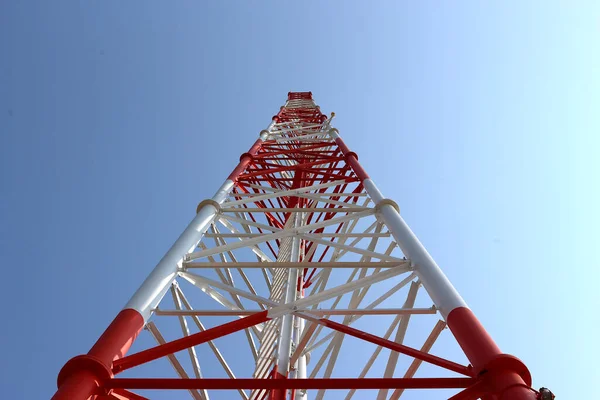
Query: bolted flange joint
506	362
499	366
545	394
263	132
85	364
388	202
351	154
333	132
245	155
208	202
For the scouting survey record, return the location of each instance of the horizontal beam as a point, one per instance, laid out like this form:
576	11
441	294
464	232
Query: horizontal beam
340	235
302	264
250	383
280	234
286	209
329	194
341	311
274	132
337	291
278	192
306	139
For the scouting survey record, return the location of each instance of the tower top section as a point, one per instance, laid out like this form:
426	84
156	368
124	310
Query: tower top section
300	96
300	107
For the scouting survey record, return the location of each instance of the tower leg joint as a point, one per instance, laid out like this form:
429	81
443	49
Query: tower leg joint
389	202
350	155
506	363
90	365
506	377
211	202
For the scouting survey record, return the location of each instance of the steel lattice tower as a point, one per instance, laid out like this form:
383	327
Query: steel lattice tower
294	249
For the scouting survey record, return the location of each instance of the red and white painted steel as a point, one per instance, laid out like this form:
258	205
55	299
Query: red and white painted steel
297	213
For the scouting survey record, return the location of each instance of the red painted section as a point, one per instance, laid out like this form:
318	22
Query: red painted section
332	383
81	376
504	375
245	159
352	159
78	385
280	391
272	393
304	114
118	337
299	95
312	163
478	346
188	341
472	392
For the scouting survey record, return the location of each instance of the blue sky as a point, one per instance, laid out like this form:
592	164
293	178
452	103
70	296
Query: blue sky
116	119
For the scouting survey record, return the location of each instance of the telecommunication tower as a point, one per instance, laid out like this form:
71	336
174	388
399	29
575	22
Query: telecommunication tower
295	252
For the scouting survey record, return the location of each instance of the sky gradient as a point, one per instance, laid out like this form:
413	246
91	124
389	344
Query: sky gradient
482	122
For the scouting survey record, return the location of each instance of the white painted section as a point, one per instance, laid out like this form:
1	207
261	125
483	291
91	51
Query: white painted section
147	297
287	325
315	312
334	133
441	291
373	191
301	363
340	290
291	192
264	134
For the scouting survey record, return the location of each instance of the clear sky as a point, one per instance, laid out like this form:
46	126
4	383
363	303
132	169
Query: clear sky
117	118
